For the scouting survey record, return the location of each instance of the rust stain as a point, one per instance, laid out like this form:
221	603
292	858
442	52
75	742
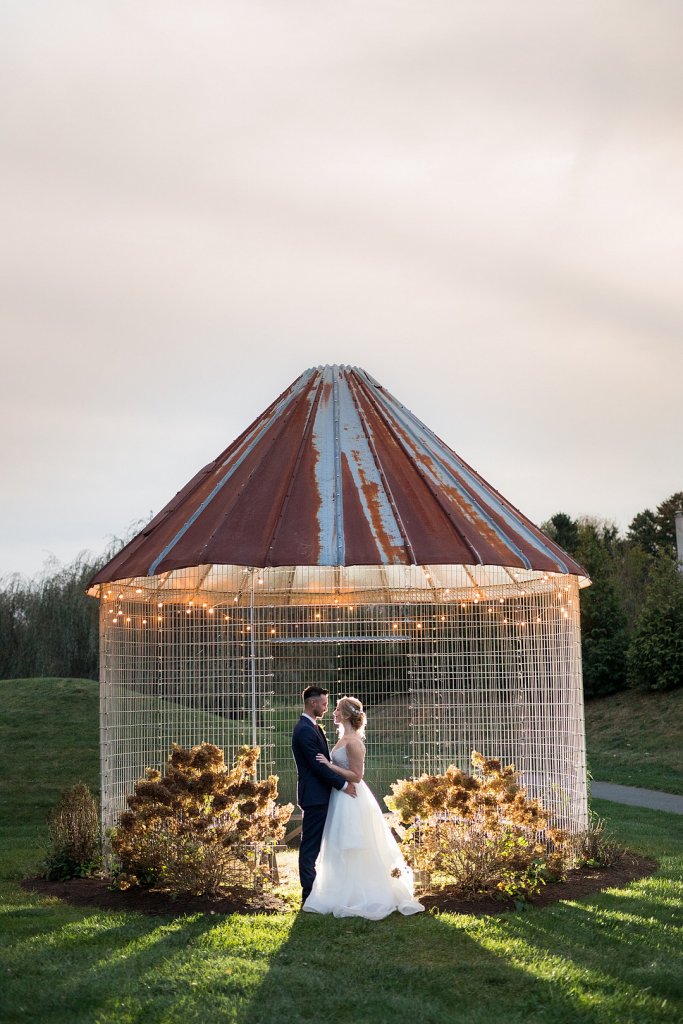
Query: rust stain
389	551
259	502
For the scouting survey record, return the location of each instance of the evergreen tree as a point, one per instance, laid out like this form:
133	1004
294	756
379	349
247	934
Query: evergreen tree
643	532
603	622
655	656
595	544
563	530
666	522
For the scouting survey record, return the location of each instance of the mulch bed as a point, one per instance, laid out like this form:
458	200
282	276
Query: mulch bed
95	892
581	882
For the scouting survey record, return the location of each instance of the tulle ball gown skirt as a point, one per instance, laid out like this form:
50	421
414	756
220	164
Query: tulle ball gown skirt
360	871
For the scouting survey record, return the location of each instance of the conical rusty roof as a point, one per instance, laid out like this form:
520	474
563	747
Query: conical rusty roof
337	472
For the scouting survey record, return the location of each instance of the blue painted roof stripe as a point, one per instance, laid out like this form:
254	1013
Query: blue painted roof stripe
437	450
354	444
505	513
339	521
322	439
414	428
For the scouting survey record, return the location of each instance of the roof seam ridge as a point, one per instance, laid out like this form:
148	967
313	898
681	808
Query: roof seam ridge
446	511
305	434
373	451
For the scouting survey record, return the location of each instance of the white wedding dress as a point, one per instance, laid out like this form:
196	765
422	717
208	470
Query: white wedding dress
360	871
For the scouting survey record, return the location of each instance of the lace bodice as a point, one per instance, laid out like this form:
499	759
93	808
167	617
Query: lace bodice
340	757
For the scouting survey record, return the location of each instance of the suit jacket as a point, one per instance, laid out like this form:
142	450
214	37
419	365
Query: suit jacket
314	780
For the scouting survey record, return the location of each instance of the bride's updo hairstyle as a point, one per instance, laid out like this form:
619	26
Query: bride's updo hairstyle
351	708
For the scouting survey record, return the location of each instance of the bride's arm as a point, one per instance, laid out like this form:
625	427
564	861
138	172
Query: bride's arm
354	773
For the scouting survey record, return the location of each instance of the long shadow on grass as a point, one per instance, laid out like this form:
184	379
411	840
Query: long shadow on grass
85	967
426	968
623	945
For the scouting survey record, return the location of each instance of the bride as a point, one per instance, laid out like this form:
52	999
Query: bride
360	871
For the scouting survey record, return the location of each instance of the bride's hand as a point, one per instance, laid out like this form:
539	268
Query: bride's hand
322	759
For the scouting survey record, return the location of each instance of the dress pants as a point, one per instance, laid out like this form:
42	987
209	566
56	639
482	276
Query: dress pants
312	827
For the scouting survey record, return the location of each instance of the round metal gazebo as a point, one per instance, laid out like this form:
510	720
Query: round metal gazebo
338	540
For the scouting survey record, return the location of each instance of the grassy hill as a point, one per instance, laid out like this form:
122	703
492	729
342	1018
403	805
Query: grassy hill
48	741
636	738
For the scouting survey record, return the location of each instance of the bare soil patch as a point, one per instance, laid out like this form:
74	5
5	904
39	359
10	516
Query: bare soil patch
96	893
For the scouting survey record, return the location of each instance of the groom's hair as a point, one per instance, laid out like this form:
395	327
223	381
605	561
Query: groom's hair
314	691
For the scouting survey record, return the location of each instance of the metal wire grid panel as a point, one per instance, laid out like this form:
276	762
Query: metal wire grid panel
445	659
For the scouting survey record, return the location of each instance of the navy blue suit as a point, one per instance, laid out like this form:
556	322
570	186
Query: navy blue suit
314	783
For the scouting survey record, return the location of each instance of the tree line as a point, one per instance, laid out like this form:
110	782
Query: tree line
631	616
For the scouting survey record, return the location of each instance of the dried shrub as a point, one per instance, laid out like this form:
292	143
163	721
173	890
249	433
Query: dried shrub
479	833
594	846
200	827
74	831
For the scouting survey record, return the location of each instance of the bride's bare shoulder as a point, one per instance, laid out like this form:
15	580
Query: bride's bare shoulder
354	742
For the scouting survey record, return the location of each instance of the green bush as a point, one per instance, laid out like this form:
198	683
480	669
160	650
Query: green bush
201	827
480	834
74	830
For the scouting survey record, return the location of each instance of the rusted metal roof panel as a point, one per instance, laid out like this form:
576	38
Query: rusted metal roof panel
337	472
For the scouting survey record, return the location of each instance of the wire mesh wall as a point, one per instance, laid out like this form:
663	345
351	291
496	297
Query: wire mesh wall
446	659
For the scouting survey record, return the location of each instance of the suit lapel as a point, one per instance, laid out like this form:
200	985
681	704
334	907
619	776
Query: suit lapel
322	738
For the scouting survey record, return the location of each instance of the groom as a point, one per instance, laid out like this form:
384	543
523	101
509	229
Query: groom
314	782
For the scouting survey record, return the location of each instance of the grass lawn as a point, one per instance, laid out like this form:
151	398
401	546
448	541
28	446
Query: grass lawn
635	738
612	957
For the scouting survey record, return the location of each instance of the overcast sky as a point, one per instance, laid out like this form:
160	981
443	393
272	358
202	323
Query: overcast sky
478	202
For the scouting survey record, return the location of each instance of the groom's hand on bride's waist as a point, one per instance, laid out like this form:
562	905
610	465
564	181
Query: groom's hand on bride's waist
350	789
